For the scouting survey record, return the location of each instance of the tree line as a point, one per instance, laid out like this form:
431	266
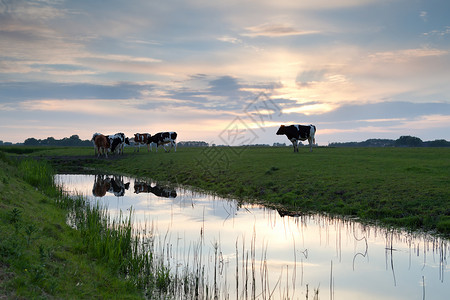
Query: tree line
74	141
403	141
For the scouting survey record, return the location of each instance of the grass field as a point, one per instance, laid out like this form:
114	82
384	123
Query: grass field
406	187
41	257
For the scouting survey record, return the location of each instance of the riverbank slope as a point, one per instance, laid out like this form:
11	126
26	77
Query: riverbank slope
41	257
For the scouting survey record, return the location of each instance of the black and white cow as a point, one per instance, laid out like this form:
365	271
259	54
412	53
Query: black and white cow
163	138
297	133
163	191
117	142
157	190
118	187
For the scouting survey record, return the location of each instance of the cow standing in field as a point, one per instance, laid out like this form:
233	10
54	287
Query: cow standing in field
297	133
93	142
142	139
102	144
117	142
163	138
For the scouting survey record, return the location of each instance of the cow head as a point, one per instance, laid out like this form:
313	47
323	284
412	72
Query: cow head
281	130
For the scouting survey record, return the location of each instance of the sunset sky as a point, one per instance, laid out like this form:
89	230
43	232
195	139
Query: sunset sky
225	72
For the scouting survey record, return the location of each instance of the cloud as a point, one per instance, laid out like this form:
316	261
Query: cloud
54	90
308	78
275	30
406	55
385	110
229	39
439	33
423	15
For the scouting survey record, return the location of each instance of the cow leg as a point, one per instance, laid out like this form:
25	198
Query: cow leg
295	144
175	145
165	149
310	144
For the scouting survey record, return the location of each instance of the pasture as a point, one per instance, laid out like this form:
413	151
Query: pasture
406	187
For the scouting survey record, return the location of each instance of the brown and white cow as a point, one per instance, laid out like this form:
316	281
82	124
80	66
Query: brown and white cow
93	142
101	185
142	139
102	144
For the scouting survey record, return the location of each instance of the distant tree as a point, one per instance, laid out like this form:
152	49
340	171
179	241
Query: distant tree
50	141
408	141
438	143
31	142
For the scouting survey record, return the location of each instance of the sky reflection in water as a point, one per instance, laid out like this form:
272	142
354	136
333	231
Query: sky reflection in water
293	256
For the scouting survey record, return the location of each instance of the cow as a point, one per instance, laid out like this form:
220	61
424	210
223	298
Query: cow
113	185
141	139
93	142
101	186
141	187
163	138
102	144
163	191
297	133
117	142
118	187
157	190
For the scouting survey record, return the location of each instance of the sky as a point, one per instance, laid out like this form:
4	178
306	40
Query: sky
225	72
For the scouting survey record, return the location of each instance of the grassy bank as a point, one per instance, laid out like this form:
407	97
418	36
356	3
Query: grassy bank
41	257
55	246
396	186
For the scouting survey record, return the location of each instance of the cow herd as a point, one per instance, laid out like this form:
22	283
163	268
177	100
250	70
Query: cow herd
115	143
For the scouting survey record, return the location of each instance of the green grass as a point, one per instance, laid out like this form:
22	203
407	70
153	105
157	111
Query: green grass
407	187
41	257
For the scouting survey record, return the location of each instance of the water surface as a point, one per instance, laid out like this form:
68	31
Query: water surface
249	251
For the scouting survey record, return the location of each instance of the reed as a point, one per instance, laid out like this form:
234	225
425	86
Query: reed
38	174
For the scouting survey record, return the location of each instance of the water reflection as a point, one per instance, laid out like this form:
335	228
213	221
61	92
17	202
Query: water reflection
248	251
111	184
157	190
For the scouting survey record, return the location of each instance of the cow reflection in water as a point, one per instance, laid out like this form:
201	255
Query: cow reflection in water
158	190
110	184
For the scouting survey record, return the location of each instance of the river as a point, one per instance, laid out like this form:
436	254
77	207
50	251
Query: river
250	251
